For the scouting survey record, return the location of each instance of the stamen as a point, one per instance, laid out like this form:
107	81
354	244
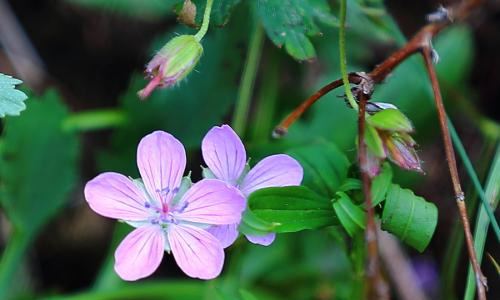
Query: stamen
183	207
165	191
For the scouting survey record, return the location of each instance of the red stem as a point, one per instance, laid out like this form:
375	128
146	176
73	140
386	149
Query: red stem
452	165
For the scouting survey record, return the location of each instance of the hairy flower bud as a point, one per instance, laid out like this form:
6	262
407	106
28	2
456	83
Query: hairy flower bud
172	63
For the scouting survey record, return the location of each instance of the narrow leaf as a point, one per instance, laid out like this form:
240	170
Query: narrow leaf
492	193
253	225
351	216
350	184
292	208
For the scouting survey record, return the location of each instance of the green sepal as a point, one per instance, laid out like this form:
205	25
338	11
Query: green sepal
390	119
373	141
186	183
380	184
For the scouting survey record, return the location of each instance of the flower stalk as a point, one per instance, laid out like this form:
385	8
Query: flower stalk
206	21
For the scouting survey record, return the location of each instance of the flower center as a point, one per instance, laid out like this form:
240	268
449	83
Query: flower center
161	214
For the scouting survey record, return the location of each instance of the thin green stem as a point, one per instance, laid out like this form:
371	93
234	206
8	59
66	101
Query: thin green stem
11	259
240	115
267	100
343	59
206	20
482	221
473	176
95	120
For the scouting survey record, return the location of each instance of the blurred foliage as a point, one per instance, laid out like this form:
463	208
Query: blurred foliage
38	170
325	167
38	163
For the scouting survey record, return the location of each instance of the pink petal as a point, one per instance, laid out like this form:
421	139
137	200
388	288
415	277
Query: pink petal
274	170
211	201
161	159
140	253
198	253
224	153
116	196
264	240
226	234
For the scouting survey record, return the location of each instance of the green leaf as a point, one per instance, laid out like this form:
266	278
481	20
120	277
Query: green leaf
292	208
325	167
289	23
380	184
350	184
221	11
38	163
253	225
390	119
351	216
11	100
373	141
409	217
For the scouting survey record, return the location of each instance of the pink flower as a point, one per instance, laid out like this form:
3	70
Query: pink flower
226	158
166	219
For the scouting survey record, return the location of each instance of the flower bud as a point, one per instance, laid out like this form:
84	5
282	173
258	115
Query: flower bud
387	136
172	63
400	147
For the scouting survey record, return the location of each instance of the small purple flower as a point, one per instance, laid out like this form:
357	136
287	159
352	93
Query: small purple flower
226	159
166	218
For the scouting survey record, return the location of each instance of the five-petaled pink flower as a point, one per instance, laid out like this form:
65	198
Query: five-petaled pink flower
226	158
164	217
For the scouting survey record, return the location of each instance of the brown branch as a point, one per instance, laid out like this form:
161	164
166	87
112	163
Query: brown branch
458	12
452	165
282	128
376	286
